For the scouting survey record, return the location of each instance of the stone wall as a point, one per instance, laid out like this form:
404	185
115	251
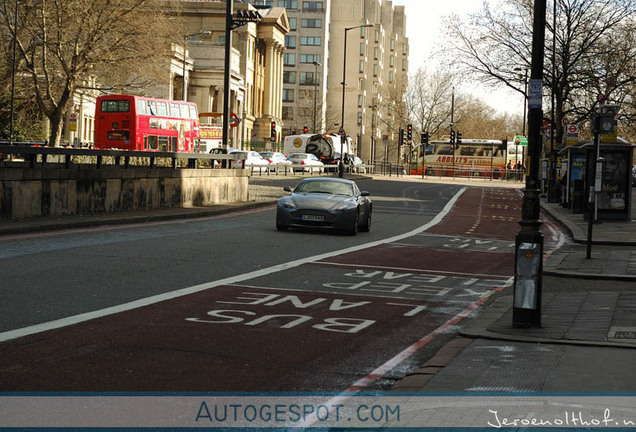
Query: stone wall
51	191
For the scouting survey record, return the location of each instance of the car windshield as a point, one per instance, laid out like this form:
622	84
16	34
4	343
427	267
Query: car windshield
326	187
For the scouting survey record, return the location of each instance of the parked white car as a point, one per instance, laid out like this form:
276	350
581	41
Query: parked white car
306	162
253	161
277	160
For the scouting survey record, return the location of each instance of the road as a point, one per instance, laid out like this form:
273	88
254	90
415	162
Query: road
228	303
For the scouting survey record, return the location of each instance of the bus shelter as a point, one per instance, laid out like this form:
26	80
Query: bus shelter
614	198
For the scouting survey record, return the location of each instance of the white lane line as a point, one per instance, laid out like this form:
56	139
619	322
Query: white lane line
412	270
64	322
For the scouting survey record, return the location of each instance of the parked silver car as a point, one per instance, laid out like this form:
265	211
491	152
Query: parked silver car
325	202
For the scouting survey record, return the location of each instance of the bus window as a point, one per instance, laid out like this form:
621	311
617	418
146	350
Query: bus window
185	113
444	150
152	142
145	142
467	150
162	109
142	107
173	144
175	111
163	143
115	106
193	112
152	107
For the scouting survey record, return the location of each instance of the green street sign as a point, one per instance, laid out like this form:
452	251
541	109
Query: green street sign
520	140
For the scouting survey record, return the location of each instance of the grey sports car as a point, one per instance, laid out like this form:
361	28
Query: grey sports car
325	202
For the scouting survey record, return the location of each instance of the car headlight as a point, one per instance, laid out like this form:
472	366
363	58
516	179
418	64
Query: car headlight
288	204
342	207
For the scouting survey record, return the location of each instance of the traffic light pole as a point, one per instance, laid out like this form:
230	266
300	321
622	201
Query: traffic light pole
526	311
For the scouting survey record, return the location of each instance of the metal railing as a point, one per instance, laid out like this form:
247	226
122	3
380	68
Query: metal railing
33	155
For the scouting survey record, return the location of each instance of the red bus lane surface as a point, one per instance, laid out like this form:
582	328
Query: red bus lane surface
332	324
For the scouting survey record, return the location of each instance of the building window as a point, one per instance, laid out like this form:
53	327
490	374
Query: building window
377	36
361	66
290	41
288	95
375	70
391	61
308	78
390	76
311	40
309	58
313	6
288	4
376	52
360	101
404	49
392	44
359	117
288	113
289	59
292	23
362	48
289	77
403	64
311	23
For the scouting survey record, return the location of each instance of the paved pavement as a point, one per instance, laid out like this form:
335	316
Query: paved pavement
588	318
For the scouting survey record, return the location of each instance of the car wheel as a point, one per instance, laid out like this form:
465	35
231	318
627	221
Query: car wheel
367	225
354	227
280	226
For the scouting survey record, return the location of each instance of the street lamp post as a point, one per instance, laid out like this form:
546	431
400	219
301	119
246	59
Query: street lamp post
373	108
525	108
15	43
526	311
344	84
316	64
185	48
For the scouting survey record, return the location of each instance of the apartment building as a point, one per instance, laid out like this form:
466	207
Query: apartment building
376	71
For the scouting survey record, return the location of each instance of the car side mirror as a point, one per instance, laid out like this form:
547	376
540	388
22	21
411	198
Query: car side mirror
287	189
364	193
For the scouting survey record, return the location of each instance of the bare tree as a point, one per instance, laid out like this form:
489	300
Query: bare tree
428	99
60	43
591	38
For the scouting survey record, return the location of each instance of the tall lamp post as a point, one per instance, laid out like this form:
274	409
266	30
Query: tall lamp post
344	84
15	43
232	21
526	311
525	108
185	49
373	110
316	64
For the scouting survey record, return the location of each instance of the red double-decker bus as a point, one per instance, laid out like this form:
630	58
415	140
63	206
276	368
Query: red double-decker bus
128	122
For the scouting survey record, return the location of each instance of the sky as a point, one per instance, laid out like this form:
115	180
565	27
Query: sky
424	19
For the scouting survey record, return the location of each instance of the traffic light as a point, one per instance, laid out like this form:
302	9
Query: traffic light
273	131
401	137
452	137
409	133
424	138
305	129
458	138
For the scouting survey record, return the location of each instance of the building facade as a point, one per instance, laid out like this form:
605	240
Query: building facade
376	71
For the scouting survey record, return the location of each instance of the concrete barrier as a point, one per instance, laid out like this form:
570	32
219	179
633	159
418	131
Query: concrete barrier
50	190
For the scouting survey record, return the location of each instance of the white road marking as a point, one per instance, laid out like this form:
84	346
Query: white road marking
76	319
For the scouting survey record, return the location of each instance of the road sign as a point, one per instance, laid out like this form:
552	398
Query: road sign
535	94
234	120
